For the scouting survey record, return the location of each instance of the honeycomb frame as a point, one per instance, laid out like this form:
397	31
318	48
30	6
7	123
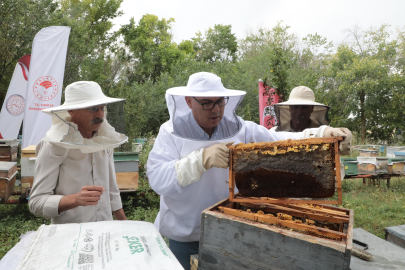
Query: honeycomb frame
246	162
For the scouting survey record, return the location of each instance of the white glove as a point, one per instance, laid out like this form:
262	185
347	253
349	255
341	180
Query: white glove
190	168
313	132
344	146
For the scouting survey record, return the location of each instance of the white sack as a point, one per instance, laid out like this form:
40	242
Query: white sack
99	245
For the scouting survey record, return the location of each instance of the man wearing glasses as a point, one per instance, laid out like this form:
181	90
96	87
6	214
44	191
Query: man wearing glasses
74	179
188	165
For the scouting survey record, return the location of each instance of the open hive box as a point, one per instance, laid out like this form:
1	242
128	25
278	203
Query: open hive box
270	224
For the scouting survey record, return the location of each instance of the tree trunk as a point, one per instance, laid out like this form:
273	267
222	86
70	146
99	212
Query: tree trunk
363	118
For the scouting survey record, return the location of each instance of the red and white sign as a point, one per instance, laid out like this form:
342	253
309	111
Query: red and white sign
15	105
267	98
45	88
12	112
45	81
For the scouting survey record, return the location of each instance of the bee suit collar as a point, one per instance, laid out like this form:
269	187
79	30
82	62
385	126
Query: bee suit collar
66	134
202	84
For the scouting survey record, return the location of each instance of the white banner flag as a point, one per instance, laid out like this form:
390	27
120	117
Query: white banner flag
12	112
45	81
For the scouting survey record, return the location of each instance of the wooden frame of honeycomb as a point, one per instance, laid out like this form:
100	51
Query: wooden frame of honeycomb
285	147
317	220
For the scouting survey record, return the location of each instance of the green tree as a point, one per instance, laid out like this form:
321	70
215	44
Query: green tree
19	22
153	51
217	44
362	84
90	42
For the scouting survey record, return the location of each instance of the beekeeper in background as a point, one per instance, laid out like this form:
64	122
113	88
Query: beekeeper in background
74	179
188	165
300	111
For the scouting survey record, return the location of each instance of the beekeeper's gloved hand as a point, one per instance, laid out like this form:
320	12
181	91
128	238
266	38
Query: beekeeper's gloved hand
344	146
190	168
216	155
325	131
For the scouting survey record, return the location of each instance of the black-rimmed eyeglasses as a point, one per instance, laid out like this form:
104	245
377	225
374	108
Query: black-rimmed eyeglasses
210	105
96	108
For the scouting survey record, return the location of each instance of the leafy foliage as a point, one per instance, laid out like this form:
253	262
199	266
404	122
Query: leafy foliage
152	48
218	44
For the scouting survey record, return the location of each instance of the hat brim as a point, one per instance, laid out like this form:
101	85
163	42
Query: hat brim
300	102
95	102
184	91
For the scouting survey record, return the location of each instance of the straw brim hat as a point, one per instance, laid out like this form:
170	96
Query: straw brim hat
80	95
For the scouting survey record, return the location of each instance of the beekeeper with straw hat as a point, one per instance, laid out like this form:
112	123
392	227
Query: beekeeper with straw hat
74	178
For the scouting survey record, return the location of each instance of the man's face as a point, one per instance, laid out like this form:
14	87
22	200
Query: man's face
88	119
300	114
206	118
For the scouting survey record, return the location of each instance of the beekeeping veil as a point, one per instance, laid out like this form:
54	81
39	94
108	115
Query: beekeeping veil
202	84
63	132
301	95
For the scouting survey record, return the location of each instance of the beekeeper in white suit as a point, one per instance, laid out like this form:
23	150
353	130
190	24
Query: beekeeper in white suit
74	179
188	165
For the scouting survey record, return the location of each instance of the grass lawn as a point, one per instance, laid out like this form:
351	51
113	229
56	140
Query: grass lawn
375	207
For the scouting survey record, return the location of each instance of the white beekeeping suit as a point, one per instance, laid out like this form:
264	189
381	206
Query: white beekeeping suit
175	165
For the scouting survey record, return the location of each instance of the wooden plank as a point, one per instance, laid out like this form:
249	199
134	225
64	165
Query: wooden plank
323	210
284	223
338	175
271	208
284	201
9	157
127	181
29	149
26	182
231	177
28	155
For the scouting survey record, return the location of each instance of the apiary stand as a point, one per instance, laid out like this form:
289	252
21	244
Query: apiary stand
240	199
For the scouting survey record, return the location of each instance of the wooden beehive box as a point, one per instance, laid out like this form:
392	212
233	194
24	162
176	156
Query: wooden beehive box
126	170
273	236
8	173
8	150
372	165
308	168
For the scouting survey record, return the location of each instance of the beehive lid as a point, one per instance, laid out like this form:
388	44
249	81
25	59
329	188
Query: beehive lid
29	149
368	150
7	169
126	156
285	169
399	153
391	160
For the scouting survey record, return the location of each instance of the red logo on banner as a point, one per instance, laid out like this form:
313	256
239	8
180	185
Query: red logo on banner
45	88
15	105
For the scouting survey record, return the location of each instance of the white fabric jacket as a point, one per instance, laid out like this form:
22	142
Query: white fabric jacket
66	162
57	175
180	207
